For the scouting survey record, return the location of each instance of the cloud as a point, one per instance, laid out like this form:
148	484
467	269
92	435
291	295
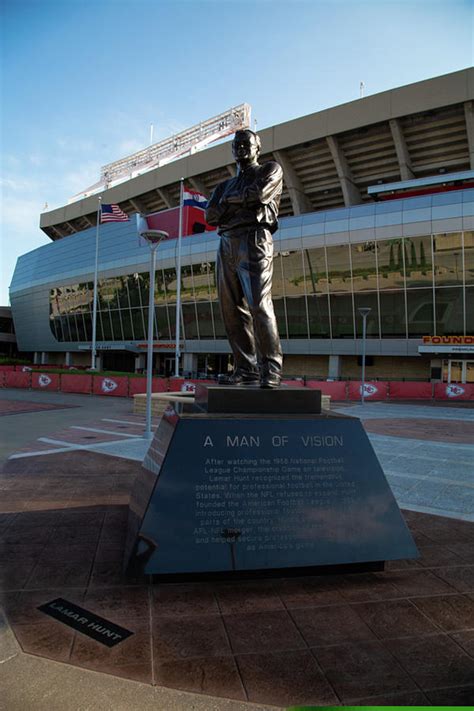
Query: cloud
76	181
19	184
130	146
72	145
63	167
21	214
36	159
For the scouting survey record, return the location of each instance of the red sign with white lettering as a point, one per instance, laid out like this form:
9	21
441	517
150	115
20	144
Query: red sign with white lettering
410	391
454	391
14	379
45	381
336	389
372	391
76	383
117	386
137	386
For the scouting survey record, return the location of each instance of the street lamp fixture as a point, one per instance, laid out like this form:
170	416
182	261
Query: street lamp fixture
153	238
364	312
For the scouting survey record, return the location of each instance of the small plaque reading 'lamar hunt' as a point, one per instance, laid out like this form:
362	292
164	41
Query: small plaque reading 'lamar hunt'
86	622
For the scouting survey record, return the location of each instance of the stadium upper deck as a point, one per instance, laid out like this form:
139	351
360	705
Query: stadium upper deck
329	158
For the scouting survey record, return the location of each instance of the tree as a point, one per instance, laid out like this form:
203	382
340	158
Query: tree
399	256
422	259
391	260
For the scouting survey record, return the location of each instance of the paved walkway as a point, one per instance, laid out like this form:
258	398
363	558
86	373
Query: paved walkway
404	636
426	452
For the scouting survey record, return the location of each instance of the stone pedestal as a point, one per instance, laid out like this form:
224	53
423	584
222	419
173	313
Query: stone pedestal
260	480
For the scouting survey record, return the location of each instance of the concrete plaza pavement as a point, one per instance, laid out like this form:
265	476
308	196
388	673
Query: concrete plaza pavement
369	616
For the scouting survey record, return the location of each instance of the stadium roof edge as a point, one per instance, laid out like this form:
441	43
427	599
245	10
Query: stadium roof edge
423	96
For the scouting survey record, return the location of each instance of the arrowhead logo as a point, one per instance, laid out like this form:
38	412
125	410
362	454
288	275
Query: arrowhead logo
108	385
368	390
188	387
44	381
454	390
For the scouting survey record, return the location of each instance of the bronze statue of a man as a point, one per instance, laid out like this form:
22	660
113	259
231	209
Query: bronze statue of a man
245	210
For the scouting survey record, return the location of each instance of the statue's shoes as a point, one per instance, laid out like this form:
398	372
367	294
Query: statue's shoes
270	380
239	379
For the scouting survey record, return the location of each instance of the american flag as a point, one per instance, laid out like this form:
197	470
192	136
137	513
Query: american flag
112	213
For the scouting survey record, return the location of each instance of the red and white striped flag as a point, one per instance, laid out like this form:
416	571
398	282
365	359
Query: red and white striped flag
113	213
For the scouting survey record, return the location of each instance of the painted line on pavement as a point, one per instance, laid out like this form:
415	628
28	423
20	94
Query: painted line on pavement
429	479
109	432
67	447
41	452
123	422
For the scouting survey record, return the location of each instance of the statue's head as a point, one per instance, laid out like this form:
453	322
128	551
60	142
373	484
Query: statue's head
246	146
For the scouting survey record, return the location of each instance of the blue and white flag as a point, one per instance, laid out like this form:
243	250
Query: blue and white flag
191	198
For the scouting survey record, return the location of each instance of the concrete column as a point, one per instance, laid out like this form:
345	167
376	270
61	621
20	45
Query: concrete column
199	185
469	114
138	205
334	367
300	202
44	357
406	172
68	358
98	361
165	196
190	363
56	231
140	362
36	358
350	191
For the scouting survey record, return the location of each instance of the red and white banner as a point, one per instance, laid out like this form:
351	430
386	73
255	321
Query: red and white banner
336	389
293	383
188	385
116	386
15	379
137	386
410	391
372	391
45	381
76	384
454	391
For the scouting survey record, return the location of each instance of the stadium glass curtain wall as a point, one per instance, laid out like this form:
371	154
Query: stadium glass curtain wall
415	286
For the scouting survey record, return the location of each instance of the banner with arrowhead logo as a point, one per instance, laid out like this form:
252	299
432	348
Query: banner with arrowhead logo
372	391
45	381
117	386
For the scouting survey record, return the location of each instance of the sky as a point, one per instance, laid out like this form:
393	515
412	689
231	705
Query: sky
82	81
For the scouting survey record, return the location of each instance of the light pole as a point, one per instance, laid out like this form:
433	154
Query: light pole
153	237
364	312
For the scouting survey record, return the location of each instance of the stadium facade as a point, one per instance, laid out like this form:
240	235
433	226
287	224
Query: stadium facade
377	211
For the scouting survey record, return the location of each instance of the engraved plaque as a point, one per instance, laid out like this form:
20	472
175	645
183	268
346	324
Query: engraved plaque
261	492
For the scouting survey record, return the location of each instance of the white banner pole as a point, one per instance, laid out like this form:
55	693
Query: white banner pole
178	282
96	270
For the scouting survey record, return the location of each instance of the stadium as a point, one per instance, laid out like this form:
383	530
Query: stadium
377	211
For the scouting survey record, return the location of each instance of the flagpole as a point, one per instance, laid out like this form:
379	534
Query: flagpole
178	283
96	270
